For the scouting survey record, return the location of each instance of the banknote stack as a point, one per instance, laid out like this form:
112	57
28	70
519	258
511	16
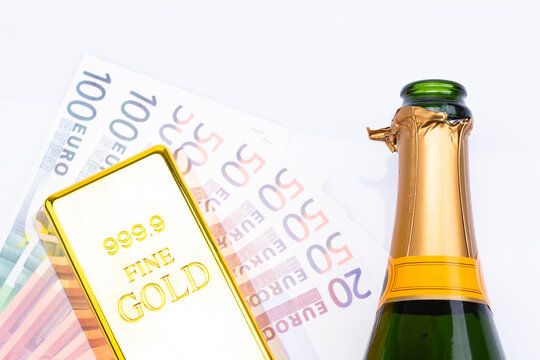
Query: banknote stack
311	276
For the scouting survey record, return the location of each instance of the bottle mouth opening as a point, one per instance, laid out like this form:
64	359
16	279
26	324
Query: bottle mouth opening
437	95
434	89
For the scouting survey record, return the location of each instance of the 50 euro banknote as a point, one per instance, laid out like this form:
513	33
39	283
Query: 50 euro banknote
310	276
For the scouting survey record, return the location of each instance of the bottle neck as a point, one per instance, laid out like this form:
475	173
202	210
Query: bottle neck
433	212
433	254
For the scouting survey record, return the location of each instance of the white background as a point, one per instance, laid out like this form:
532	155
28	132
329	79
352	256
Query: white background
326	70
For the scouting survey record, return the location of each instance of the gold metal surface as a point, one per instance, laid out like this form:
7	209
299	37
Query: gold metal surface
433	213
152	274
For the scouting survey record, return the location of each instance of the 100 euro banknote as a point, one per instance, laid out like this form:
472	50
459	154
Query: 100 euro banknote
103	118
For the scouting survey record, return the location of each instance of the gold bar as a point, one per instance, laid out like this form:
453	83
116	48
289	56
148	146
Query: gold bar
148	266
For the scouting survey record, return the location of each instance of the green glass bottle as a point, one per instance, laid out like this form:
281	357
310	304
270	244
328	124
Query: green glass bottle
434	304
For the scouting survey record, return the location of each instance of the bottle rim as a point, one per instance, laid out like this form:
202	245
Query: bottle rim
434	88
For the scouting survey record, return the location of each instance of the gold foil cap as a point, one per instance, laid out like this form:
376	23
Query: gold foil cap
433	212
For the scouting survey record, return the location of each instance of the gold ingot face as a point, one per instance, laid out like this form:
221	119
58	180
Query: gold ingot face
147	263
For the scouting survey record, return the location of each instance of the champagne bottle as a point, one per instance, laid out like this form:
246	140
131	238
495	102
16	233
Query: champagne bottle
434	303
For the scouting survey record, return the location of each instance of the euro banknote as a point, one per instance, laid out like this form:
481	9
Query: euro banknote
308	273
102	111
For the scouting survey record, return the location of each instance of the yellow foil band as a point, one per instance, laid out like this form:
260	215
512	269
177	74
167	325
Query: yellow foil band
434	278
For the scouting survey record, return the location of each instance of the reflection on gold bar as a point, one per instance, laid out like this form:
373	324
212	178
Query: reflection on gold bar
148	266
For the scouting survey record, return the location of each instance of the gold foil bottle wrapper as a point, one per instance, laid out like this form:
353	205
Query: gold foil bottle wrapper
433	212
148	267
